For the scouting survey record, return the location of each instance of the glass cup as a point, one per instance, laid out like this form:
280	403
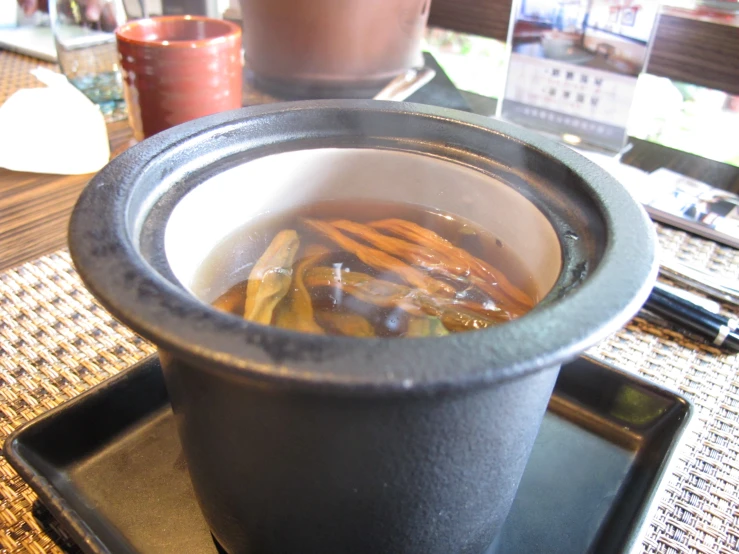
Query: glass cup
84	33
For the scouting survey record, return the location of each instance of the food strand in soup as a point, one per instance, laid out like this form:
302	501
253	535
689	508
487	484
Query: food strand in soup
459	314
484	275
384	277
271	277
379	259
296	312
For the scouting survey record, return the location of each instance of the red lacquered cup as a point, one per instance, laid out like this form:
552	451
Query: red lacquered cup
178	68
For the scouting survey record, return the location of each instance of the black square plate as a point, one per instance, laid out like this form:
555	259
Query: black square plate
109	466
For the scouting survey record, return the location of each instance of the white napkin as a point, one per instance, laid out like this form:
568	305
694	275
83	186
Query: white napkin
55	129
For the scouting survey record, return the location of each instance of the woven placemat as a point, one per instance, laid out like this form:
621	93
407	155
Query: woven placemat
56	342
15	72
699	509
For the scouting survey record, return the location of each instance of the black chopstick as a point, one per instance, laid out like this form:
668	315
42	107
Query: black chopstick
721	331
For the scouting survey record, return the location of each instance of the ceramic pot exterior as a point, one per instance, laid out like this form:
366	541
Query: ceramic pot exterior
310	473
313	444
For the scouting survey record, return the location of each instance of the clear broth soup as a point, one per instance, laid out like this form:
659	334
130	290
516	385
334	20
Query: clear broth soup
366	269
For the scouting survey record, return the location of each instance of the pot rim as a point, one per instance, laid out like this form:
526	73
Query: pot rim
112	267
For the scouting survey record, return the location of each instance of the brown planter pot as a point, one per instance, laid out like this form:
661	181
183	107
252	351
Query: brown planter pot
331	48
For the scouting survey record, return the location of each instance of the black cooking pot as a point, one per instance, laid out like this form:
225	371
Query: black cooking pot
301	443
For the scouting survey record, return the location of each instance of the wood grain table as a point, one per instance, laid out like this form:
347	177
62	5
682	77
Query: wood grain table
35	207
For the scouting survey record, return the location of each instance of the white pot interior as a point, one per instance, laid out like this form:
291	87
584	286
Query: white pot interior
225	202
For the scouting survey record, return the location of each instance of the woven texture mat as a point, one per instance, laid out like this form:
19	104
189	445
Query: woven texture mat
15	73
56	342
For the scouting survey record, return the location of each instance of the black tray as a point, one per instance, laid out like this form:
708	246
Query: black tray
108	465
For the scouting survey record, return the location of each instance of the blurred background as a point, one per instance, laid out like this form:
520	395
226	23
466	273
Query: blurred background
691	117
680	115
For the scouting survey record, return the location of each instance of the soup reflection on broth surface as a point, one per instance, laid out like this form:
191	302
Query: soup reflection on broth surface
366	269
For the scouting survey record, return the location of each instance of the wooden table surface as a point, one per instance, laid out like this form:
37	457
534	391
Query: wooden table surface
35	208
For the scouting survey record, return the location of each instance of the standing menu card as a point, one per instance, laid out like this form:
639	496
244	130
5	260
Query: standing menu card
574	65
